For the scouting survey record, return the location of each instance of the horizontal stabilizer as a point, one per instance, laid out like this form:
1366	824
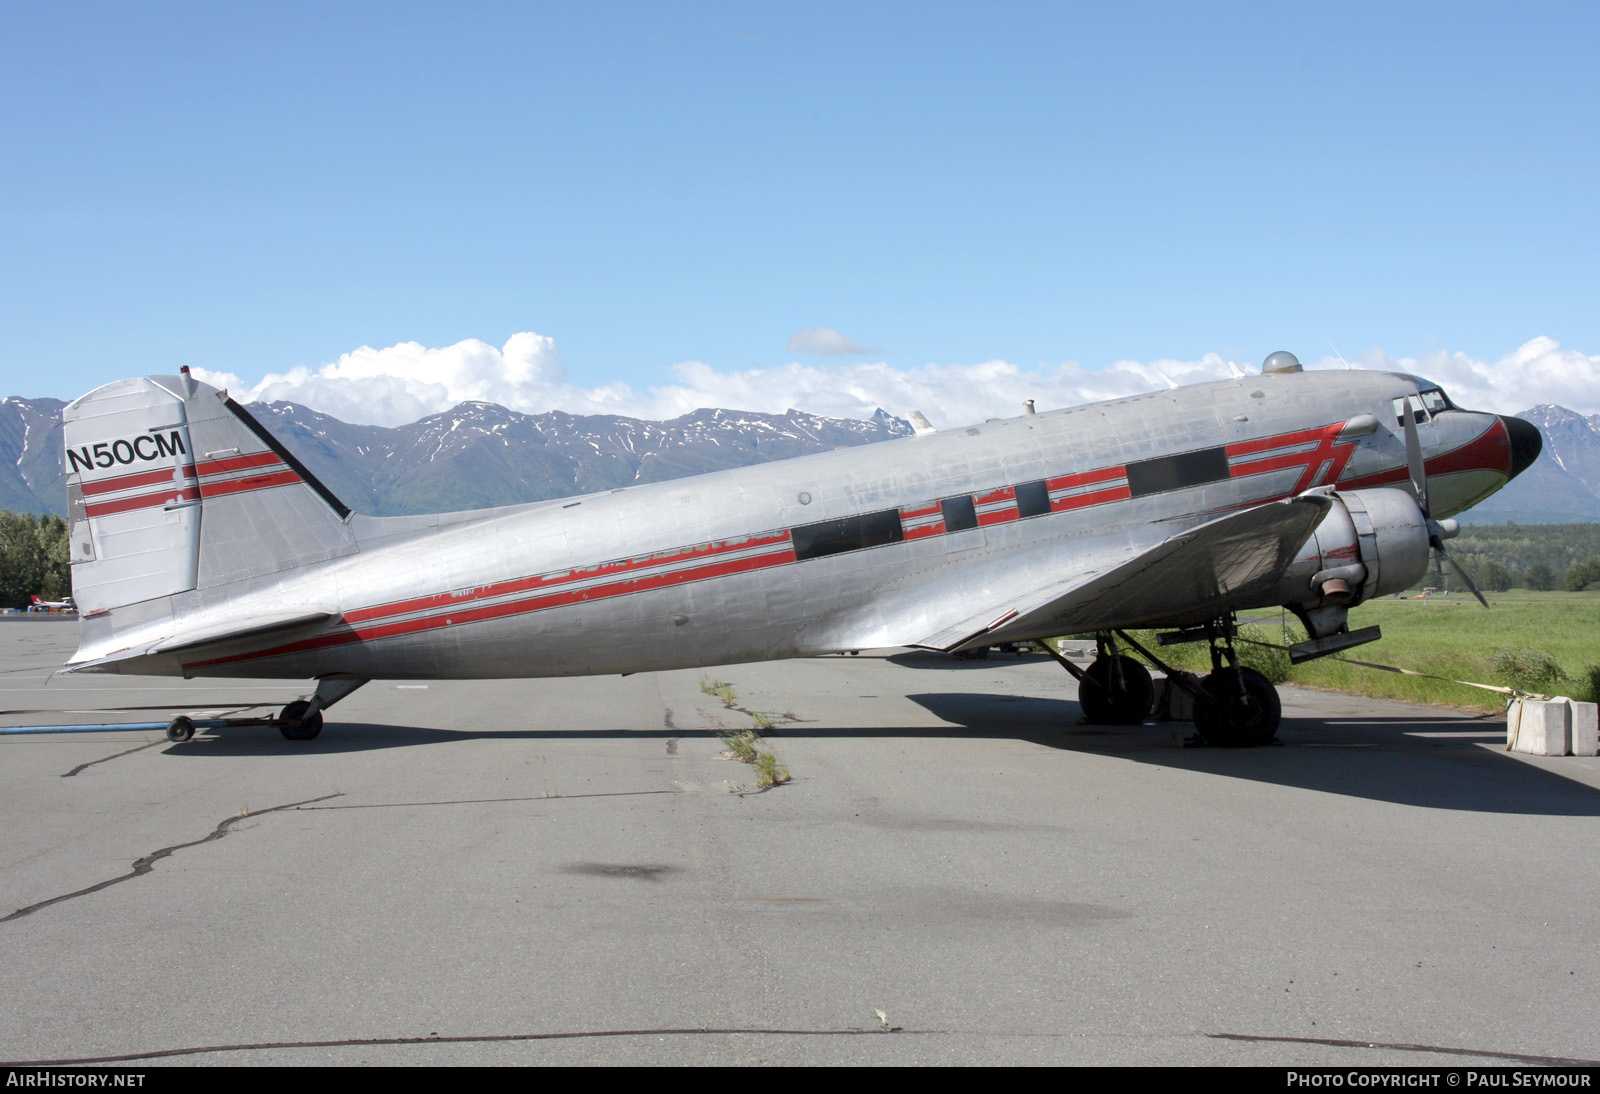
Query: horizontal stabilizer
239	634
1189	578
236	630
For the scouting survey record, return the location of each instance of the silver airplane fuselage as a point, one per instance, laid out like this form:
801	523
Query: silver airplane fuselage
889	544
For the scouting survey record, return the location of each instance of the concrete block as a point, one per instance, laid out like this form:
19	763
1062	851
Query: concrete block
1539	727
1173	704
1585	729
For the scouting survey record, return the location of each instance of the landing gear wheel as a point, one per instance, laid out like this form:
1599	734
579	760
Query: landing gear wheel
179	730
1229	719
295	725
1124	693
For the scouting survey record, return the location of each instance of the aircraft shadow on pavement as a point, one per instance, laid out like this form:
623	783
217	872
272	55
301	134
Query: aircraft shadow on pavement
1437	762
1434	762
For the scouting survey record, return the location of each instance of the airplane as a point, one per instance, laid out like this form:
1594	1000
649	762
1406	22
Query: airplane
39	605
200	546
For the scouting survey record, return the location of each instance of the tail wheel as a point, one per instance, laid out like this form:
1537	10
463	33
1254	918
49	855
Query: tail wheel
294	724
1241	709
179	730
1119	691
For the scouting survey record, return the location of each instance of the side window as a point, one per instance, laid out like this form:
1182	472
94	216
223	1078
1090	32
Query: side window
1418	414
1033	499
846	534
959	513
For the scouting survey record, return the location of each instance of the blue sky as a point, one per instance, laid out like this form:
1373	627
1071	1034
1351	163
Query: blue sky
667	194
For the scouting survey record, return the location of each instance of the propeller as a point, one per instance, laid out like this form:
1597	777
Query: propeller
1438	530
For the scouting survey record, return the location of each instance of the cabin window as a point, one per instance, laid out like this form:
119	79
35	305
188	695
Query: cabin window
1033	499
1177	472
959	513
830	537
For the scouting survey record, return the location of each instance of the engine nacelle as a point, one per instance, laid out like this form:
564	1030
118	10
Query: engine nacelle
1371	543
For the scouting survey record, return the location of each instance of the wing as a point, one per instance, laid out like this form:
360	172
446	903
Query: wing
1229	563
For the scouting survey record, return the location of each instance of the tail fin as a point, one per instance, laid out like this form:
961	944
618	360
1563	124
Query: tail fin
173	487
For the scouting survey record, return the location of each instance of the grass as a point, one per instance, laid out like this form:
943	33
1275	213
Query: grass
769	772
741	744
1516	643
744	745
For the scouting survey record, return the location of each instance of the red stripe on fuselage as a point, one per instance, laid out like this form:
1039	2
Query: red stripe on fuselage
527	584
515	607
1094	497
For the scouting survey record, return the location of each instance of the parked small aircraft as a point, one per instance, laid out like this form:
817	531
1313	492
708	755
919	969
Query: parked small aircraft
37	604
201	546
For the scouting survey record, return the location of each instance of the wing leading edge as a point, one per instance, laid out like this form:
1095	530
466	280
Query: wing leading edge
1196	575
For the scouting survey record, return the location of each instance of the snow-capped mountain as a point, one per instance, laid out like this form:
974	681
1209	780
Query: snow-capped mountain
472	456
1562	486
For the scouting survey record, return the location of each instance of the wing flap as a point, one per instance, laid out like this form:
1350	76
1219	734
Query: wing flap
1188	578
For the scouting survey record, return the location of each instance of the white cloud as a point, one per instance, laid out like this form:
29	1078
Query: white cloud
402	383
827	342
1538	371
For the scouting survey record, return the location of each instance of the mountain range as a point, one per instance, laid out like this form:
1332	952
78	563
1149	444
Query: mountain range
480	454
472	456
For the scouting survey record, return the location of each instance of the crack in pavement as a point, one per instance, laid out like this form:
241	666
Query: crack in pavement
144	865
486	801
436	1039
114	755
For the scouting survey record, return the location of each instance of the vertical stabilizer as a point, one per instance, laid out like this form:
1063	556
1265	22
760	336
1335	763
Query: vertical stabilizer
262	511
173	487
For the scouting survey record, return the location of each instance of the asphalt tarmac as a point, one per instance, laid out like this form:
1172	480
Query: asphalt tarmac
572	872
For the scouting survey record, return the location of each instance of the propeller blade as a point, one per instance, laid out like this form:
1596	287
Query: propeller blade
1419	474
1462	574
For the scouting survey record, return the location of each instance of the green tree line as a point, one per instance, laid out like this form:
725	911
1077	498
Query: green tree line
1522	556
33	559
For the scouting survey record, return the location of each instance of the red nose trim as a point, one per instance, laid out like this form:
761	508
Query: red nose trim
1488	451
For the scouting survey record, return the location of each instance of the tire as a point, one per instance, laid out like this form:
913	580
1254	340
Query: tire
1125	693
1227	720
294	724
180	730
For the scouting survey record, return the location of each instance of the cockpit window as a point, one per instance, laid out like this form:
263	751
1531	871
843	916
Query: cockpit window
1424	405
1435	400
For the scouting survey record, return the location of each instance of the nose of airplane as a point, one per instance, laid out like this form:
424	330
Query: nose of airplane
1526	443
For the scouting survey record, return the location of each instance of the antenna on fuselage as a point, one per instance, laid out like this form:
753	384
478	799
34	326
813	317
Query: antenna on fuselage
920	423
1337	354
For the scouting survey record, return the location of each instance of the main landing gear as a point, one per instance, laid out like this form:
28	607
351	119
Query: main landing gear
1234	706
